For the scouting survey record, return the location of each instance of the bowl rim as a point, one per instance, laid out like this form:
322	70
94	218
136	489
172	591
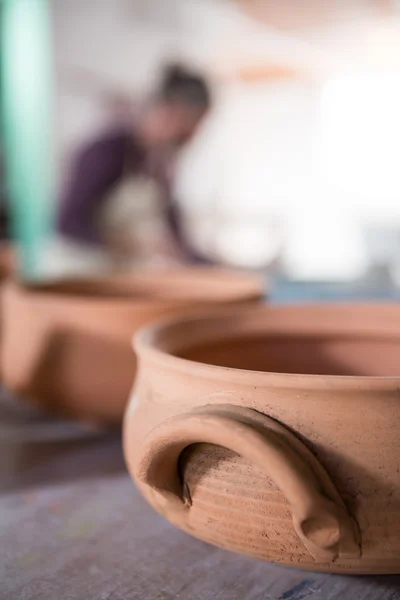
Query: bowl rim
251	287
147	347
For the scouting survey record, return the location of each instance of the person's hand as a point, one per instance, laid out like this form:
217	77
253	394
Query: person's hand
121	244
167	246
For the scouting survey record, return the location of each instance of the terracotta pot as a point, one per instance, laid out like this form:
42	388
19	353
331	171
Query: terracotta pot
273	432
66	345
7	261
7	268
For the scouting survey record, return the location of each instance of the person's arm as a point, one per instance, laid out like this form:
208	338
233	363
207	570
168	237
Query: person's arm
176	228
173	216
96	169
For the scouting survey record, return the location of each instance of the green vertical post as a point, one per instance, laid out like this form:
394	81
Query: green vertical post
27	120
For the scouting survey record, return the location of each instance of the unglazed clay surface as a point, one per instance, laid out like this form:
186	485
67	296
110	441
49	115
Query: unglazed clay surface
292	458
7	268
67	345
7	261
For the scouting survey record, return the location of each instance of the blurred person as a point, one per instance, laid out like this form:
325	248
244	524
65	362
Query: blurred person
146	145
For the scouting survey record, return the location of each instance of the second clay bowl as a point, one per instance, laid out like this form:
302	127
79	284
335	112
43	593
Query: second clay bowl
66	345
7	261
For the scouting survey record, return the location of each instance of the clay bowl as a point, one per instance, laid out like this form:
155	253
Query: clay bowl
7	261
67	345
7	269
274	432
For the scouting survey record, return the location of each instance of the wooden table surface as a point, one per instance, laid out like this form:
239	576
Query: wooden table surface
73	527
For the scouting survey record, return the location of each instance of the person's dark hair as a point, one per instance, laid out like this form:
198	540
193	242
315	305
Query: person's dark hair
181	85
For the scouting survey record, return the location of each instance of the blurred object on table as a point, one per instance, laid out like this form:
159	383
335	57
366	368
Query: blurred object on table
375	288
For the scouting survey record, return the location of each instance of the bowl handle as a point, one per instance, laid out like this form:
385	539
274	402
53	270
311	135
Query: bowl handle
319	515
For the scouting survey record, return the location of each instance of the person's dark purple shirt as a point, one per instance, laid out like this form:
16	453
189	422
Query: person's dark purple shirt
97	168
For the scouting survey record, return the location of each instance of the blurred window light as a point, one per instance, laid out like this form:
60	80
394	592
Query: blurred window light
252	246
360	138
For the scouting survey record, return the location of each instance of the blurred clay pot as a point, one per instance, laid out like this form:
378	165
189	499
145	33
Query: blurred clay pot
273	432
7	268
7	261
67	344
